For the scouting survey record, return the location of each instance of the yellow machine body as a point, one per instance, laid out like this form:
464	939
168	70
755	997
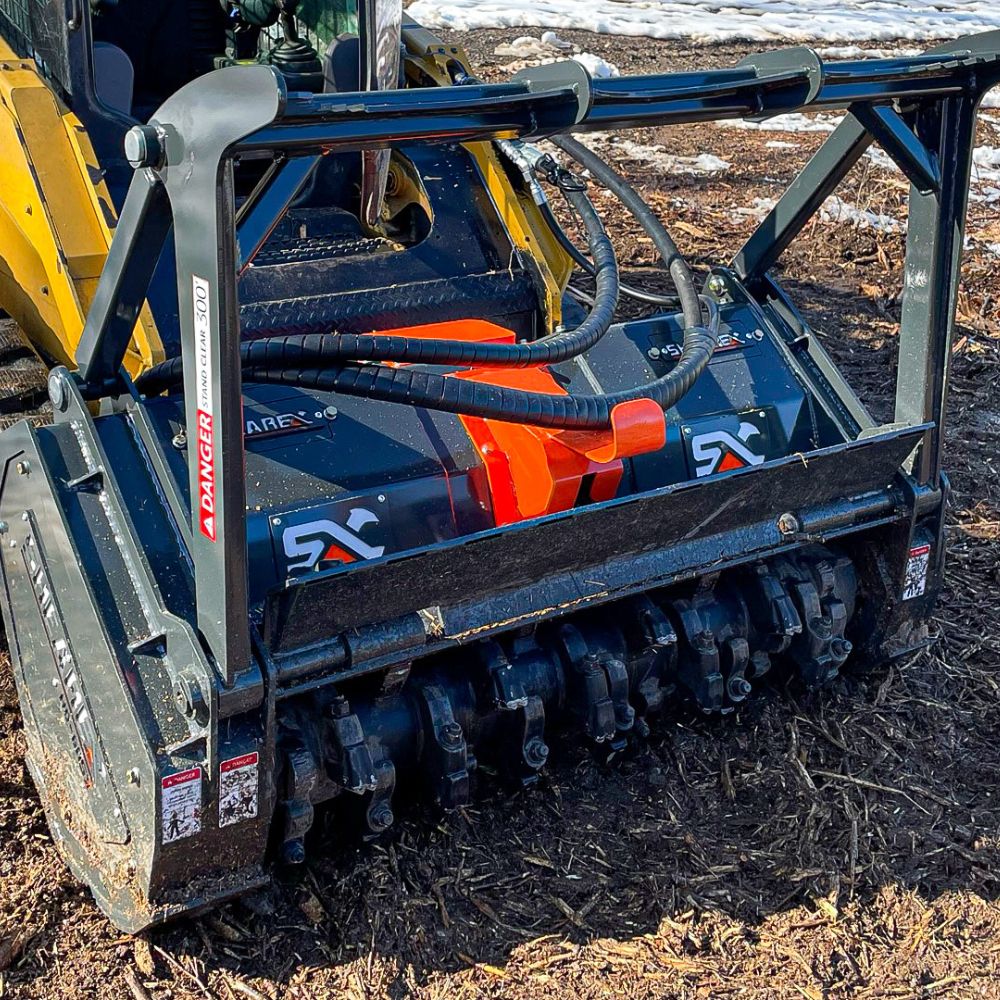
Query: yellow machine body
56	219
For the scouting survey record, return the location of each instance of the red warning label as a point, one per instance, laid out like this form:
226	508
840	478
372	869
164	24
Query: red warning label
917	566
206	475
238	789
180	799
205	431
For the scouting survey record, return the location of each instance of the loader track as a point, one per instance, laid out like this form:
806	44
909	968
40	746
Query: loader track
23	379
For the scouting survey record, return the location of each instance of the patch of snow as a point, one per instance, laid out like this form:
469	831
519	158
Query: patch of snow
986	175
993	248
757	209
656	156
992	99
986	163
857	52
530	51
781	144
597	67
525	47
551	38
796	122
834	211
882	159
754	20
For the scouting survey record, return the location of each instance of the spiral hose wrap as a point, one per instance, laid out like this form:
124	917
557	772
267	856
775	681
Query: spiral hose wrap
348	363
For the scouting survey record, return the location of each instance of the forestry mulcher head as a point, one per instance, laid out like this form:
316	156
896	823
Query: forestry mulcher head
390	506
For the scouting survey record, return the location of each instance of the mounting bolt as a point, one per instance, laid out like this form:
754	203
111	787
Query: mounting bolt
330	412
23	467
179	440
841	648
133	776
190	699
451	735
144	146
788	525
653	353
536	753
739	688
717	285
380	818
58	396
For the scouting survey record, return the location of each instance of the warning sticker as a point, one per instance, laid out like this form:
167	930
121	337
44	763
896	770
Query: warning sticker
916	572
205	432
181	801
238	789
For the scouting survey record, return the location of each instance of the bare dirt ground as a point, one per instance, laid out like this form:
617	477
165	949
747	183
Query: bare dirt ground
845	844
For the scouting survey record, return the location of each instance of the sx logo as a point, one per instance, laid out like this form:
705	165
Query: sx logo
307	546
720	451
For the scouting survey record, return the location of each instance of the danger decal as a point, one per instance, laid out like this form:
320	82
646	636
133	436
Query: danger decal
917	565
180	799
205	431
238	789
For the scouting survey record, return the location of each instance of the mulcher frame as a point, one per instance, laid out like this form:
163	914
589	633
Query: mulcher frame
922	111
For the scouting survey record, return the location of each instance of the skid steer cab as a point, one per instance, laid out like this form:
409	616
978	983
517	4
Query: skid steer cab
344	493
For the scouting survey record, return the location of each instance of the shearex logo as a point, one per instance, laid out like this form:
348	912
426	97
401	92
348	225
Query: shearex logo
727	342
260	426
321	543
720	450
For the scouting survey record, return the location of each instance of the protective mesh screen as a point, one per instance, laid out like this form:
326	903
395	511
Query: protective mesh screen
37	29
15	24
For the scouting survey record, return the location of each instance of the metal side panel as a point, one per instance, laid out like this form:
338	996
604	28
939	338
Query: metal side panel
104	733
594	553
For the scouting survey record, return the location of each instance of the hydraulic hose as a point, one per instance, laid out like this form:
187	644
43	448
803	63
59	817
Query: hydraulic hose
317	350
530	162
457	395
583	262
320	361
604	174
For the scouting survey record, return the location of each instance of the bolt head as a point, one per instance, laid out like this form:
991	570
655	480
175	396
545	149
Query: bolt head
179	440
58	395
788	524
190	699
380	818
23	467
717	284
536	753
143	146
451	734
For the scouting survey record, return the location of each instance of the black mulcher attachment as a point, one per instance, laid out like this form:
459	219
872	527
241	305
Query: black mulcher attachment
383	515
